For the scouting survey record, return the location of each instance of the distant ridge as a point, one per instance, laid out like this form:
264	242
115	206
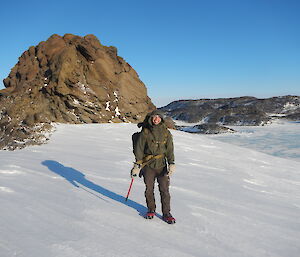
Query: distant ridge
246	110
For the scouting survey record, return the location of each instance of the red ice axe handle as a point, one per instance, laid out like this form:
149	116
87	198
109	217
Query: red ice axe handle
129	189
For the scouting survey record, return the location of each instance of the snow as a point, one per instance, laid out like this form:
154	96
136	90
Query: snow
276	114
279	138
117	111
84	88
81	87
116	96
290	107
6	189
107	106
66	199
191	129
75	101
187	124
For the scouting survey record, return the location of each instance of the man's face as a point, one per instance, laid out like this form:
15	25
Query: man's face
156	119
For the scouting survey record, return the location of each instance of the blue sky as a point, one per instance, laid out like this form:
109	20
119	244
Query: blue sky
181	49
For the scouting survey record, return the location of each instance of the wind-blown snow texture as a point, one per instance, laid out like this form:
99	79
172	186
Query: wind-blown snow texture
66	199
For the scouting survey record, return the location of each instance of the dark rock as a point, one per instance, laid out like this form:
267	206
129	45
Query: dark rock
234	111
170	123
208	128
292	117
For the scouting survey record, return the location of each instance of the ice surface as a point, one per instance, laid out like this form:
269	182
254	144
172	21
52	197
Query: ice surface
281	139
66	199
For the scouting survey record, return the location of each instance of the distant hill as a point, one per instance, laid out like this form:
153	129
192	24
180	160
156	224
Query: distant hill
245	110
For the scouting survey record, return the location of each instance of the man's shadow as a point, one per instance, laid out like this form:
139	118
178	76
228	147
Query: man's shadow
77	178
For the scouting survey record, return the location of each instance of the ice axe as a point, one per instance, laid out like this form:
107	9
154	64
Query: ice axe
129	189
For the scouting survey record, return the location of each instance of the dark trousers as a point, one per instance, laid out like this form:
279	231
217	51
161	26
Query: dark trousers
163	184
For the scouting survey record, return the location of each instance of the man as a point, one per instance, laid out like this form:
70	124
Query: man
154	153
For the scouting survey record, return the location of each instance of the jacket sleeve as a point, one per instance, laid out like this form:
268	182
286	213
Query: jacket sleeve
170	149
140	147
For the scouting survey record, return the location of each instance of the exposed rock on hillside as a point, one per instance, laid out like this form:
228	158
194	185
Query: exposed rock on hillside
235	111
68	79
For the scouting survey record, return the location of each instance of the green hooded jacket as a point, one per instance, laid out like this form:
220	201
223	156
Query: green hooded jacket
155	140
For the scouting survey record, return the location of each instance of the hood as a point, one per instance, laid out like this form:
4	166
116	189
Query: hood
148	119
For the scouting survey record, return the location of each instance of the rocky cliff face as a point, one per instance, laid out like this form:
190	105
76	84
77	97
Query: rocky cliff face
68	79
235	111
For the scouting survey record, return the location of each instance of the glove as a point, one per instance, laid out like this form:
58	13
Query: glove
171	169
135	171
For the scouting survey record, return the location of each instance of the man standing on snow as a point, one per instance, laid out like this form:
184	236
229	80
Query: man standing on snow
154	153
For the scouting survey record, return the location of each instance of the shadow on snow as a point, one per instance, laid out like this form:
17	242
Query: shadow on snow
77	178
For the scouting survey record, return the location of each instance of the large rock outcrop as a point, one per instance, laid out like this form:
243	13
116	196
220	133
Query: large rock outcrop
69	79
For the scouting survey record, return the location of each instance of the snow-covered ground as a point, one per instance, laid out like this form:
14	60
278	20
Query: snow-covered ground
66	199
279	138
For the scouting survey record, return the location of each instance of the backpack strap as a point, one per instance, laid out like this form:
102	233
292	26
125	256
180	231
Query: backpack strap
147	159
146	130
